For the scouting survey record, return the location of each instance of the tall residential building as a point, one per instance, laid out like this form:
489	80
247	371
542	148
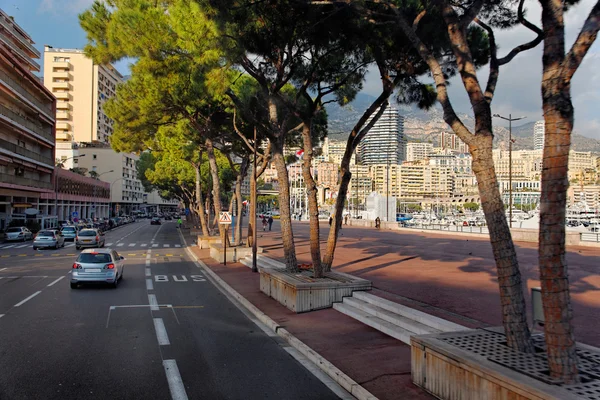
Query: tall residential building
539	131
450	141
333	151
328	175
26	129
418	151
385	142
81	88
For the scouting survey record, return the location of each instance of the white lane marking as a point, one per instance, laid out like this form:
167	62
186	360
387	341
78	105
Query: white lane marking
131	244
148	261
149	284
2	269
153	303
27	299
1	315
120	244
166	245
70	245
155	245
177	245
144	244
21	246
161	332
148	272
109	244
52	283
11	246
174	378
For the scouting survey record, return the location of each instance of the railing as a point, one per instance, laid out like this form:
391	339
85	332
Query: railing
16	48
12	30
20	180
450	228
18	87
35	128
26	153
590	237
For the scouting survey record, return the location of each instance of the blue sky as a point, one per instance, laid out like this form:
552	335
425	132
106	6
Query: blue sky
55	22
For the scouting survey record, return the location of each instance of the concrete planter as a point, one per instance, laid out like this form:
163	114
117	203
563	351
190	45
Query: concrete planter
477	364
234	253
300	292
204	242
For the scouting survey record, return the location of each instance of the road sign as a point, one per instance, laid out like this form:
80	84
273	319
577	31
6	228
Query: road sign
75	214
225	218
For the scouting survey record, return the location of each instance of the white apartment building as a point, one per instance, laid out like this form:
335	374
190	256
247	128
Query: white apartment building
418	151
539	131
81	89
420	180
333	151
385	142
386	179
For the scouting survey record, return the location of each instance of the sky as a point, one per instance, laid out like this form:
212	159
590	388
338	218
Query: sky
55	22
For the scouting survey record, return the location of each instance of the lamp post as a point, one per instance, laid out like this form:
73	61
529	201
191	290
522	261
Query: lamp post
98	178
60	165
510	119
387	197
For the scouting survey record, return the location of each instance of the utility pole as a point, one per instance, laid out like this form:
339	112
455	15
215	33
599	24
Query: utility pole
254	198
356	182
387	197
510	119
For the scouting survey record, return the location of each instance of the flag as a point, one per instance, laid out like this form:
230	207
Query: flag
300	153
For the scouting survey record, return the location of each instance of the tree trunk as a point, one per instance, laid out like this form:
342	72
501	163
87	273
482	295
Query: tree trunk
200	201
287	235
337	216
238	204
512	298
313	207
252	213
214	172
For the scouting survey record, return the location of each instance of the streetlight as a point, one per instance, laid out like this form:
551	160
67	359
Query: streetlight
60	164
510	119
97	177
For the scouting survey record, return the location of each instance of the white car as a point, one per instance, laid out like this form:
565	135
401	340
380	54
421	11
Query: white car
18	233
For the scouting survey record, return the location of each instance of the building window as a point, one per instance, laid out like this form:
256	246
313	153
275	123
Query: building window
94	156
94	168
19	171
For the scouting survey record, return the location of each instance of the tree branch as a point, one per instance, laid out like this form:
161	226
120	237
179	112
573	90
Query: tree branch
525	46
584	41
418	19
471	12
494	66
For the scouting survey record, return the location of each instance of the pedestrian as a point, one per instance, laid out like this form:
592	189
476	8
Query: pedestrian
179	222
330	220
264	223
270	222
346	220
377	223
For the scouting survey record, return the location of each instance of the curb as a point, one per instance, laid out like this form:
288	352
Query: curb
331	370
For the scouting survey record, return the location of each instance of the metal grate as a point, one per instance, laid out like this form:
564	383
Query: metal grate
492	346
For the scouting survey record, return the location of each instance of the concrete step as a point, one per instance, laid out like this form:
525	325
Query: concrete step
269	262
374	322
426	319
408	324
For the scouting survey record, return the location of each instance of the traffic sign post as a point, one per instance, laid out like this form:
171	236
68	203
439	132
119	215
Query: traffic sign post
225	219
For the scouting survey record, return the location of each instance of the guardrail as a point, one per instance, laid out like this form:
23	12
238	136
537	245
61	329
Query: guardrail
450	228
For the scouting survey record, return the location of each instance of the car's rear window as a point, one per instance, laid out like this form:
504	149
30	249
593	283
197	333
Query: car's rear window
45	234
68	229
9	230
87	233
94	258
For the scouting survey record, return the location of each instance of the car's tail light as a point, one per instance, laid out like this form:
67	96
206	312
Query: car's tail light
76	266
110	266
97	238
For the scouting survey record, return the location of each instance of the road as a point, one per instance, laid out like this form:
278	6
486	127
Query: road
165	333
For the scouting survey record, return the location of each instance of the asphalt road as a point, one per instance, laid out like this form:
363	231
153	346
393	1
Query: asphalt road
165	333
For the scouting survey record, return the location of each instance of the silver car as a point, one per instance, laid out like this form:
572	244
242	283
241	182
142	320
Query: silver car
69	232
48	238
89	238
97	265
18	233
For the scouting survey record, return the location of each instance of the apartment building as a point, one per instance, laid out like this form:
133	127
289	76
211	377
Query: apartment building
385	142
81	88
539	132
26	129
450	141
386	179
328	175
421	180
418	151
361	183
526	164
588	195
333	151
120	170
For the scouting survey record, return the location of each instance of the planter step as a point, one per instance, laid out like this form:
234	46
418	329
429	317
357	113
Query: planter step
403	322
262	262
438	324
375	322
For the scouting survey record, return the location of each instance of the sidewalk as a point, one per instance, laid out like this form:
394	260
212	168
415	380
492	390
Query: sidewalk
377	362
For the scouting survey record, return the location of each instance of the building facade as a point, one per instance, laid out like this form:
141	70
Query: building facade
27	129
328	175
385	142
539	131
418	151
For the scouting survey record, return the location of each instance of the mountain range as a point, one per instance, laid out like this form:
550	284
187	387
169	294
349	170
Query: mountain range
426	126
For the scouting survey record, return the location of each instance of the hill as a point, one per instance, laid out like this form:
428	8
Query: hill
426	126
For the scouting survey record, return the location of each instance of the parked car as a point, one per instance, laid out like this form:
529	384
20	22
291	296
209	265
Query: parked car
89	238
69	232
168	218
18	233
155	221
48	238
62	223
101	265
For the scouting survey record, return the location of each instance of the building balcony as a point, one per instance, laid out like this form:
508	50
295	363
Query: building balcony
62	125
16	50
62	75
30	48
26	153
26	125
18	180
62	114
19	89
64	136
62	105
62	95
61	65
61	85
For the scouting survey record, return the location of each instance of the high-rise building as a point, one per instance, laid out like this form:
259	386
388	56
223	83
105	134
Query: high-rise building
328	175
333	151
385	142
539	131
26	130
418	151
81	88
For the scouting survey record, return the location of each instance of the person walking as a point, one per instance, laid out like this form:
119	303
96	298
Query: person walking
346	220
179	222
330	220
264	223
270	222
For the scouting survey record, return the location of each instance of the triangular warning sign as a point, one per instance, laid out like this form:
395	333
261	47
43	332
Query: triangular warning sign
224	217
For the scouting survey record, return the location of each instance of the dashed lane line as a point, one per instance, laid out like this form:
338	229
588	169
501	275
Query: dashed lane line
19	304
161	332
174	379
56	281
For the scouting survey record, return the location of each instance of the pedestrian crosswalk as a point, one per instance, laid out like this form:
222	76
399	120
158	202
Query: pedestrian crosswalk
6	246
